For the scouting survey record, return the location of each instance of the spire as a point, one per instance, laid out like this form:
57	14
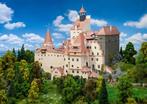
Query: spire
82	10
48	38
48	41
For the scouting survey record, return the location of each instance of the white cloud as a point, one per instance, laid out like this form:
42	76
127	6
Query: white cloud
122	36
28	46
11	26
5	13
32	37
58	35
142	23
58	20
72	15
98	22
136	38
60	26
145	36
11	39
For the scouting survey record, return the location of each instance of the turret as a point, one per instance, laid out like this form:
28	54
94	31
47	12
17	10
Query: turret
48	44
82	14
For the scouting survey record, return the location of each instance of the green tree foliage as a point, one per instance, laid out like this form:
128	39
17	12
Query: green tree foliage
90	90
138	73
3	97
131	101
36	70
70	90
102	90
33	92
144	51
14	52
121	52
29	56
103	96
25	55
8	60
80	100
10	74
142	55
22	51
124	86
128	54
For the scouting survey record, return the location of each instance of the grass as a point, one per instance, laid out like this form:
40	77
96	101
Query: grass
138	92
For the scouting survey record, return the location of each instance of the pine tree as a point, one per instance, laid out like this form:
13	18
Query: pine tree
22	52
121	52
103	96
14	52
19	55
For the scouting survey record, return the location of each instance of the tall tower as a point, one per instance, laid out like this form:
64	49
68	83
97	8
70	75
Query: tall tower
82	14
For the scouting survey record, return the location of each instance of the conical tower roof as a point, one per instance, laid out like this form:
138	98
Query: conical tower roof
48	43
48	39
82	10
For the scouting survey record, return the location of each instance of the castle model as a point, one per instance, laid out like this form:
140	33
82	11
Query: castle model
83	54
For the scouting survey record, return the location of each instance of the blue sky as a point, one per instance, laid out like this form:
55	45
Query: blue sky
26	21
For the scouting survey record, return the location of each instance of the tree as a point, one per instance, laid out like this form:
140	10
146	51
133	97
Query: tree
121	52
143	50
33	92
131	101
22	51
128	53
80	100
103	96
89	90
18	55
29	56
102	90
70	90
124	86
36	70
3	97
14	52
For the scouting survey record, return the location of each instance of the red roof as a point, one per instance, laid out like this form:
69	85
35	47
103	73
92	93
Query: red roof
85	69
108	30
93	74
48	38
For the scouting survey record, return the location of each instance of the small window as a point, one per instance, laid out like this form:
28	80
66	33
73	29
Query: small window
72	65
98	66
95	47
97	59
72	59
77	59
64	59
66	65
77	71
97	53
91	59
68	58
73	71
92	53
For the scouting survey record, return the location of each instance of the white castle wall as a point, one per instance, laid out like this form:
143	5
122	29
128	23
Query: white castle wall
49	60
